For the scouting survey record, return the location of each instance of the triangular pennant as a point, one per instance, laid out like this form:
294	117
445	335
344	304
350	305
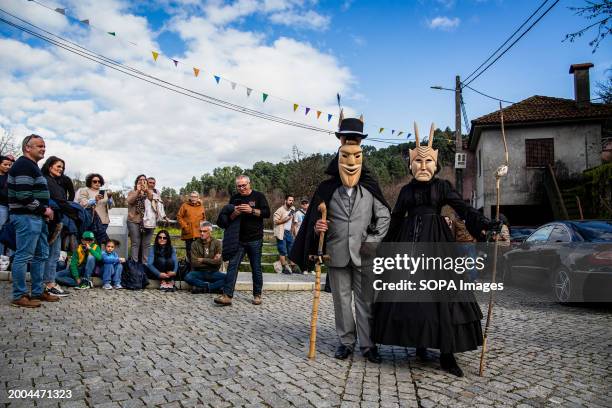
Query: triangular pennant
217	78
307	110
61	10
155	55
249	90
114	34
381	130
318	114
392	132
233	85
399	133
265	96
175	62
196	71
295	106
329	116
86	21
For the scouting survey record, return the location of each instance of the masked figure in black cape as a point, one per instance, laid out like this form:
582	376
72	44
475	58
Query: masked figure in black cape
450	326
358	218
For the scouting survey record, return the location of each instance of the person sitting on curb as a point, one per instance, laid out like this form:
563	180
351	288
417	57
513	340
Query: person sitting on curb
162	262
206	261
112	268
82	264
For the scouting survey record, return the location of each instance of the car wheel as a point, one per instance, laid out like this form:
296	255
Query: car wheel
562	286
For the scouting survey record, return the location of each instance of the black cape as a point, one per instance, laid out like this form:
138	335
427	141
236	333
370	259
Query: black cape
450	326
307	240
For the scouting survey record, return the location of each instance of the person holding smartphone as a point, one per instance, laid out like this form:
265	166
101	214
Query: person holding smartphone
93	196
140	237
283	227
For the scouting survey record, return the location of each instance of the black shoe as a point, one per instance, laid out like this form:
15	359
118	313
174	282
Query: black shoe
448	363
342	352
196	290
372	355
421	353
287	270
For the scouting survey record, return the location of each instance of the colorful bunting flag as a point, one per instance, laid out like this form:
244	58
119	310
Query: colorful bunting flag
86	21
318	114
249	90
381	130
265	96
196	71
400	133
217	78
112	33
175	62
155	55
392	132
329	116
307	110
61	10
233	85
295	106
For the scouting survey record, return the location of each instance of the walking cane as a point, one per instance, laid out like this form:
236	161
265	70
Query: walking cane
319	258
499	173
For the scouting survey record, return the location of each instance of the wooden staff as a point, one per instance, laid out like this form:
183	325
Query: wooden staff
317	289
499	173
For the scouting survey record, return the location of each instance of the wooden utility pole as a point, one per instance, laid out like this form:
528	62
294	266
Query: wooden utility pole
458	141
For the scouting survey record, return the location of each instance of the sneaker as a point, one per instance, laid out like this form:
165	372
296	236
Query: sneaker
118	286
199	290
90	284
82	286
296	269
107	286
46	297
57	291
223	300
256	300
287	270
25	301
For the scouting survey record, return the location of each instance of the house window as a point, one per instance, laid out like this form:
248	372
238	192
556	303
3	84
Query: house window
539	152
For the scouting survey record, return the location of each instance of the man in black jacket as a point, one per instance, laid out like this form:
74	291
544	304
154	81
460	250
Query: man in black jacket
250	208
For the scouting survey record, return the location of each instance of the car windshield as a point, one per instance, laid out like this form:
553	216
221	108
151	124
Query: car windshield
595	231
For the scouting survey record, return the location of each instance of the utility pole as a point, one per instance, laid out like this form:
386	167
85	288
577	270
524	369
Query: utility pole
458	141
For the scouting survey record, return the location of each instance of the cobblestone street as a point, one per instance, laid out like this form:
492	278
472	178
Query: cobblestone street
130	349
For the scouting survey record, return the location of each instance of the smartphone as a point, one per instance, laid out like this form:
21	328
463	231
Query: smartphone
101	192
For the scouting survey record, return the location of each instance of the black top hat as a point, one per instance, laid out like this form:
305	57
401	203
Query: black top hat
351	128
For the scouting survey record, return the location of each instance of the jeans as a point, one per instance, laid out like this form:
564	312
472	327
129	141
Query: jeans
51	264
4	214
112	272
214	280
284	245
253	250
31	238
65	277
137	238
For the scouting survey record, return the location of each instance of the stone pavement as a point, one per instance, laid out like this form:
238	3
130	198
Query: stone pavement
147	348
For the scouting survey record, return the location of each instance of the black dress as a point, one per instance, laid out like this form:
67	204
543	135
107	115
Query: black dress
448	326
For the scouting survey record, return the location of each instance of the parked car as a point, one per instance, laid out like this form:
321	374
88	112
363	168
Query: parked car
574	258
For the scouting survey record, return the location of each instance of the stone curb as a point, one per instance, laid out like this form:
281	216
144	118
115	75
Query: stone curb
241	285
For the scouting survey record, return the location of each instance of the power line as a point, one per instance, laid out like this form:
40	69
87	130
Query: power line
514	42
488	96
507	40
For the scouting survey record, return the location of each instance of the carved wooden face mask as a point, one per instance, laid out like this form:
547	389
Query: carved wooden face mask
423	159
350	160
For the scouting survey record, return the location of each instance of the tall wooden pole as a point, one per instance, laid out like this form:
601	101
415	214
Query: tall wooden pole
317	288
458	141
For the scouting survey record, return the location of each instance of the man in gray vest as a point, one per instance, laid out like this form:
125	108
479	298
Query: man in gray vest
357	214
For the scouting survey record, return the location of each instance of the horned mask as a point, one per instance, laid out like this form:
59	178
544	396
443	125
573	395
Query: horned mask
423	159
350	155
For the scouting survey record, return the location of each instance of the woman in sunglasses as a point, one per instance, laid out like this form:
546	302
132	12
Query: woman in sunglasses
93	196
162	261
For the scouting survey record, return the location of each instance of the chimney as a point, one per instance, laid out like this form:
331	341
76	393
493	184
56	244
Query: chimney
582	87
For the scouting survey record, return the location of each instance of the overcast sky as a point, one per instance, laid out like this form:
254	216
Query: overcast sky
382	57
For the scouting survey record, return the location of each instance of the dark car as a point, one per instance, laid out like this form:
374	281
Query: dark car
573	258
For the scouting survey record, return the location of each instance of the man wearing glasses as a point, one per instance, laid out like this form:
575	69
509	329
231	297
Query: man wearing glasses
28	198
250	209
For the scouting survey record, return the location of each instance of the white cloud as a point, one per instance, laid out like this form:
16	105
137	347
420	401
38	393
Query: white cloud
100	120
309	19
444	23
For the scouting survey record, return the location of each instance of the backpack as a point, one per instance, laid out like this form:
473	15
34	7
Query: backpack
184	267
134	276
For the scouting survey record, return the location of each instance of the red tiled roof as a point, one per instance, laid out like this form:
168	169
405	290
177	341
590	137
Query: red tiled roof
546	109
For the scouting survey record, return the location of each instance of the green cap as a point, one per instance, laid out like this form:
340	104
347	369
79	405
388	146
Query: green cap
88	235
